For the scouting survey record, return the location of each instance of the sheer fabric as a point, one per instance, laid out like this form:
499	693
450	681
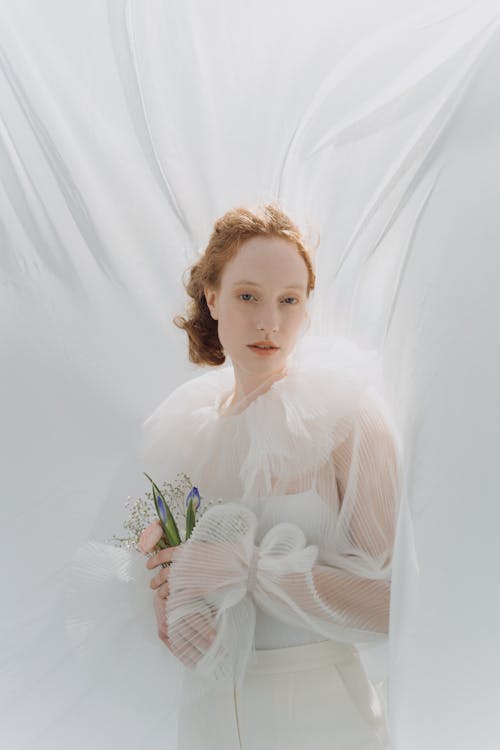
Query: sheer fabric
309	539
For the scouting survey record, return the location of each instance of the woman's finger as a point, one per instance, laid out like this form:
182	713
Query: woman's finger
164	589
187	653
192	640
160	578
159	605
199	631
164	555
185	649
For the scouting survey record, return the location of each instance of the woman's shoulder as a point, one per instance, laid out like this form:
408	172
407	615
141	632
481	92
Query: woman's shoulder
175	421
337	354
193	393
330	375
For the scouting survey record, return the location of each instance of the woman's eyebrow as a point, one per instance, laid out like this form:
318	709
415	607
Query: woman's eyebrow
300	287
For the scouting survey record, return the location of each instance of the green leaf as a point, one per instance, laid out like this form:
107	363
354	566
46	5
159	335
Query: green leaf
166	518
190	518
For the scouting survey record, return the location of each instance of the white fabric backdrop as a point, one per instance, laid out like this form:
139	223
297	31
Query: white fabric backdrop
126	129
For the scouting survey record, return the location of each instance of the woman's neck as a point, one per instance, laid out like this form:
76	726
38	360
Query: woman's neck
245	393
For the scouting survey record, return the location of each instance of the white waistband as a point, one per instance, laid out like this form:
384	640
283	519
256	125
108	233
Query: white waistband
306	656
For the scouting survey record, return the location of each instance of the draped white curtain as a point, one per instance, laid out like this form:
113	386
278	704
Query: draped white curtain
126	128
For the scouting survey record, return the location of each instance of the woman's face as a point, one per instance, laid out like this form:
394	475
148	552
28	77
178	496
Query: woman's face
262	296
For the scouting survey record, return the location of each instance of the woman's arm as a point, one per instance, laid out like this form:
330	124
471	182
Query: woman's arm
368	470
352	591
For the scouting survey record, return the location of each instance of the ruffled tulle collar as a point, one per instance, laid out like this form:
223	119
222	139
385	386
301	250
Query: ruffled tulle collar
283	431
306	364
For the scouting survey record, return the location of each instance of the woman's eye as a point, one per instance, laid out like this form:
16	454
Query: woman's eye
247	294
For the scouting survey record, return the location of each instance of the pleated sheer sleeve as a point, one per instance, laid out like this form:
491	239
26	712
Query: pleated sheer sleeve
221	574
368	474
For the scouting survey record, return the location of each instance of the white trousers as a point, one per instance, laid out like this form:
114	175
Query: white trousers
311	697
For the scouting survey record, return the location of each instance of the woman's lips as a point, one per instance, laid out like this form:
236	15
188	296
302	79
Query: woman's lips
263	352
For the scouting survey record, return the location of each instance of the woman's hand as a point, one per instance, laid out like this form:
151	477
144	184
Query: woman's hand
149	538
160	580
198	633
195	634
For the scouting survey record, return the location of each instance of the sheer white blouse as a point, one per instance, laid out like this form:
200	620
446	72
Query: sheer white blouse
305	477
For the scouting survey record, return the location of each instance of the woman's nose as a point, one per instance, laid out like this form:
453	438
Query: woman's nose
268	323
263	329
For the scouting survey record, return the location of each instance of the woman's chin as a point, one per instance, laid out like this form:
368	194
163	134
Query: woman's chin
258	360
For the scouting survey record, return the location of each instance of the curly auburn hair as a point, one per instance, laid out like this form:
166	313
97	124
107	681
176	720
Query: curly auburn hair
229	232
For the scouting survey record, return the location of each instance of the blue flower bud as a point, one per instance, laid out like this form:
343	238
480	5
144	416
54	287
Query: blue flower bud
162	511
195	496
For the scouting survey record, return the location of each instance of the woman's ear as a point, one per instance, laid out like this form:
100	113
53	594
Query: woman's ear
211	298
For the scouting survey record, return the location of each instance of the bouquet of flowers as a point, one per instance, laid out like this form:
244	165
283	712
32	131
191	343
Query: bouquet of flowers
177	520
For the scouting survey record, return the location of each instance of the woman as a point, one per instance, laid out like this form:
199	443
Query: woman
291	566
